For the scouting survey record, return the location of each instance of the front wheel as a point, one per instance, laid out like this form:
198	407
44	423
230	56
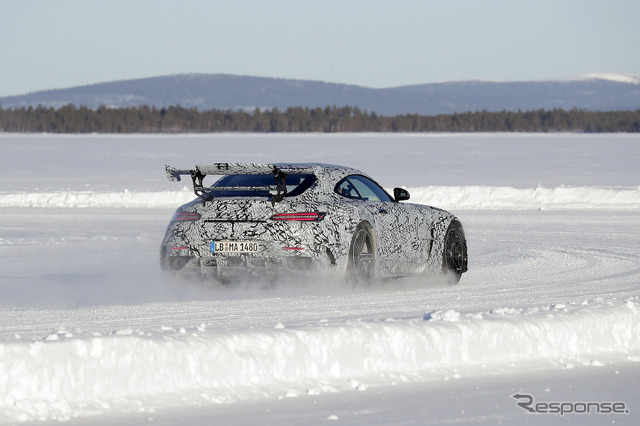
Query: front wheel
361	261
454	257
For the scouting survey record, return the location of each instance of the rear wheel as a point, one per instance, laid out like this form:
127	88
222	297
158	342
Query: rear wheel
454	257
361	261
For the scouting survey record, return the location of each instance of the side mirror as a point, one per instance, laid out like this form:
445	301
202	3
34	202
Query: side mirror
400	194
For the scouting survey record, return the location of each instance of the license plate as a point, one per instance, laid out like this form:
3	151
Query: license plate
234	247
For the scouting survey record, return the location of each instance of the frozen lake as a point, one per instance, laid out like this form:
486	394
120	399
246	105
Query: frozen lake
92	332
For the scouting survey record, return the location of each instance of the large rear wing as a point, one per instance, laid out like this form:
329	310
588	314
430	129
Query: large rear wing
173	174
279	172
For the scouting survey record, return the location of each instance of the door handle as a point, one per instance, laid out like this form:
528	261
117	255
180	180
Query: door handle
383	211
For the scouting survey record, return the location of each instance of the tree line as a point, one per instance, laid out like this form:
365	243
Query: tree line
177	119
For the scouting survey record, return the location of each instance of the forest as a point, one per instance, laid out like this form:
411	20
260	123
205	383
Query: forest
330	119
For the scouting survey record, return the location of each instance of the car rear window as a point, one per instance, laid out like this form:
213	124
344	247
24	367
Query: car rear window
260	185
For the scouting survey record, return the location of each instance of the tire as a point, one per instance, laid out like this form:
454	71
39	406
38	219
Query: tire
454	255
361	260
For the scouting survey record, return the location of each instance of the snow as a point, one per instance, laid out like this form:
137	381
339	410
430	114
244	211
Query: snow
447	197
60	375
92	332
615	77
608	76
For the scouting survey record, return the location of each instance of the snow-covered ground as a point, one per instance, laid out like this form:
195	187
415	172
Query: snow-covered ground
91	332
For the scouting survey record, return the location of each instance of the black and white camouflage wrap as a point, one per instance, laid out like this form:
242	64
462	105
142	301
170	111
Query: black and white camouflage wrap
408	238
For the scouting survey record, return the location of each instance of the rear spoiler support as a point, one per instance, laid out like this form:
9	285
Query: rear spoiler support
281	185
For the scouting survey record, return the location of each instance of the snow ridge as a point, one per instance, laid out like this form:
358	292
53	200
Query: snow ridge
61	377
447	197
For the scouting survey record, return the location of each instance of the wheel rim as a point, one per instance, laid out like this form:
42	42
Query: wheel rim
454	252
362	256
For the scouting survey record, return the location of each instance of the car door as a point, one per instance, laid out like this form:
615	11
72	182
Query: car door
397	248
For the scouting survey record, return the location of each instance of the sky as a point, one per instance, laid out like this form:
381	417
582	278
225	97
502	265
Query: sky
375	43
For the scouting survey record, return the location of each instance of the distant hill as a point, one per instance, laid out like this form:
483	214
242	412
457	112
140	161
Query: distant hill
599	92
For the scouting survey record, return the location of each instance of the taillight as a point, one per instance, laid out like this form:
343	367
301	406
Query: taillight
185	217
302	217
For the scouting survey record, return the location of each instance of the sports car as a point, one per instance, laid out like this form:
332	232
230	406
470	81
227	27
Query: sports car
270	220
